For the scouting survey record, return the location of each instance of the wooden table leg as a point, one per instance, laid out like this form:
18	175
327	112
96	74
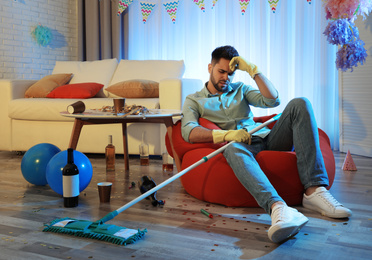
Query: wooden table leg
76	130
125	146
169	124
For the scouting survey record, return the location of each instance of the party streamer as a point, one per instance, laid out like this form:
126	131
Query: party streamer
146	9
214	3
200	3
273	5
243	5
171	8
123	4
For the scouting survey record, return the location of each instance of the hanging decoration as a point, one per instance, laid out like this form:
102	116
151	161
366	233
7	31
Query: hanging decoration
42	35
273	5
171	8
146	9
342	31
243	5
123	4
214	3
200	3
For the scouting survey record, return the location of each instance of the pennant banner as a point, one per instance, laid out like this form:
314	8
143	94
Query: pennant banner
146	9
123	4
214	3
273	5
171	8
200	3
243	5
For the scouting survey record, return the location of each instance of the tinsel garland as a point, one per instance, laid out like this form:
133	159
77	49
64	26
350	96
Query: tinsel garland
42	35
342	31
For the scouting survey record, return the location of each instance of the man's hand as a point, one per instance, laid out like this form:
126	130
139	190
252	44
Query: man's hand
239	63
220	136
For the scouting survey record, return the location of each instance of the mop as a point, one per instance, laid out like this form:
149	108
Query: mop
121	235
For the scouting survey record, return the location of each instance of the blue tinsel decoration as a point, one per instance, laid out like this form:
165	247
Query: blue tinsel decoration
341	31
42	35
350	54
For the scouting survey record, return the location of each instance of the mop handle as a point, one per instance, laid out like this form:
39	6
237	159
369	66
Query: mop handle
161	185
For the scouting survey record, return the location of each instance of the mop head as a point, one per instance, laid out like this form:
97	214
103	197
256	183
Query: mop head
95	230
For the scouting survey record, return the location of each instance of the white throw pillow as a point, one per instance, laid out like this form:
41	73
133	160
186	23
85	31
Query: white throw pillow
99	71
154	70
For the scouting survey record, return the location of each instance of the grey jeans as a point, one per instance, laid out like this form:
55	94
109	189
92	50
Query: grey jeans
296	127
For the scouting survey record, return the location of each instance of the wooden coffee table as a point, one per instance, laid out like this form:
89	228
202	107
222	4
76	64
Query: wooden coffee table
94	117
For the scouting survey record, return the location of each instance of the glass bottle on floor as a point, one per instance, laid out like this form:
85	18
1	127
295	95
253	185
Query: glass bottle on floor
167	162
144	152
110	155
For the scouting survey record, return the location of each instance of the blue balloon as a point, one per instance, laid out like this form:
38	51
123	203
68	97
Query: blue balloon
35	161
55	167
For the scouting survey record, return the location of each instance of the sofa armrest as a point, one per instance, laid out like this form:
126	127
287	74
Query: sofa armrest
173	92
9	90
13	89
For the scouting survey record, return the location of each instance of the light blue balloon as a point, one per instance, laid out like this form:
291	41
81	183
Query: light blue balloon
55	167
35	161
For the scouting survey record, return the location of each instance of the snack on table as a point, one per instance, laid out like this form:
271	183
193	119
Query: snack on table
127	109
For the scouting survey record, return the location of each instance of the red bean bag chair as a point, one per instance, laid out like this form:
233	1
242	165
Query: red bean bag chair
215	182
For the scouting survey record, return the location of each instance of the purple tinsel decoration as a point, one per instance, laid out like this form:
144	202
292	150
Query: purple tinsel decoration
341	31
350	54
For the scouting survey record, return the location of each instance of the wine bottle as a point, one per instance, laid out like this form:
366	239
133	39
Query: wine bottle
70	181
110	155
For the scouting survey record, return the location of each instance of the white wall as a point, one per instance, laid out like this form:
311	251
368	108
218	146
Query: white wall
20	56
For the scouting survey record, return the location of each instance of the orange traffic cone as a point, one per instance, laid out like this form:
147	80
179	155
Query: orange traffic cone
349	164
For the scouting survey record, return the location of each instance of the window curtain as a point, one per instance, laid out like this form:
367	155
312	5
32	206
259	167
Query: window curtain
288	46
101	30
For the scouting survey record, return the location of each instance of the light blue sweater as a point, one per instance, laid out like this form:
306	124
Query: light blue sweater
229	111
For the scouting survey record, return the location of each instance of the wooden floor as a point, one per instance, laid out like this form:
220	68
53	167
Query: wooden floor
178	230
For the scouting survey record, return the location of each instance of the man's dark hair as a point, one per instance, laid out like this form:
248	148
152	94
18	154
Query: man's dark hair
227	52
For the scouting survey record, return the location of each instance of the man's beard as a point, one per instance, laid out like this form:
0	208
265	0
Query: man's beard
217	87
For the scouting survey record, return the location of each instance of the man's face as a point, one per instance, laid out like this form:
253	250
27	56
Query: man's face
220	76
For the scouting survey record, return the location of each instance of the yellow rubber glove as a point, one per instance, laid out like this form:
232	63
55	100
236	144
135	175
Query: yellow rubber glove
220	136
239	63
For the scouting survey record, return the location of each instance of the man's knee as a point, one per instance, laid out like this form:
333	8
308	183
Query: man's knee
234	149
300	102
301	106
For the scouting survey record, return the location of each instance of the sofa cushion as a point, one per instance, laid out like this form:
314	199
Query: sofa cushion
77	90
99	71
154	70
135	89
48	109
44	86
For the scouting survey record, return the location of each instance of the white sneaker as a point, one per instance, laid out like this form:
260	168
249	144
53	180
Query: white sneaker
285	223
323	202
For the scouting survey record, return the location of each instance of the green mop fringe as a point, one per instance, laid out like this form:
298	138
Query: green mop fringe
93	234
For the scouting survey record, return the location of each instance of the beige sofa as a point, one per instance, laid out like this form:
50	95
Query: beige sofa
26	122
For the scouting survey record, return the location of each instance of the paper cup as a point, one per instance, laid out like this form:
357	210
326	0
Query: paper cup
119	105
77	107
104	191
